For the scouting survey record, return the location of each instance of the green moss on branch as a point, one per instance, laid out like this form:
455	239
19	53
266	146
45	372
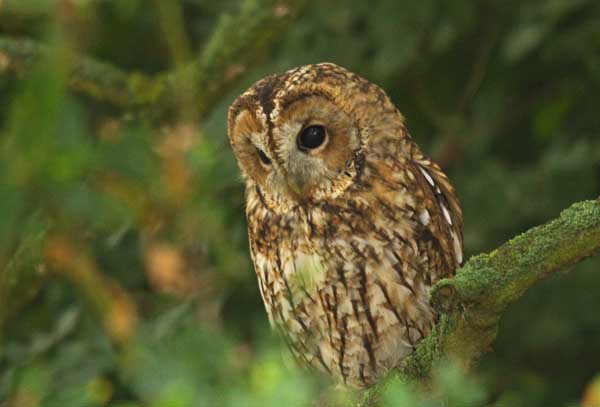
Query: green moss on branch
472	303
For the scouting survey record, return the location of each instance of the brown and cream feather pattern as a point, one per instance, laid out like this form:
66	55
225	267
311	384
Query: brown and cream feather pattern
348	238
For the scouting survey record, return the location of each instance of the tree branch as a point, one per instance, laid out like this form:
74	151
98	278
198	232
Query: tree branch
106	297
472	303
237	43
95	79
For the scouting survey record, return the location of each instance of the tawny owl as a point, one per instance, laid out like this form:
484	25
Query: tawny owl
350	224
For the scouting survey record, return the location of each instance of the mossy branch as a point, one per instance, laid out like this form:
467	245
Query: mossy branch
98	80
237	43
472	303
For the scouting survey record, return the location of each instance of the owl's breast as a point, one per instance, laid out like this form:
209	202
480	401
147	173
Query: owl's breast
342	286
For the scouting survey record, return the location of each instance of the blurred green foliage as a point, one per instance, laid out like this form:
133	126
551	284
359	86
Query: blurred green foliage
503	93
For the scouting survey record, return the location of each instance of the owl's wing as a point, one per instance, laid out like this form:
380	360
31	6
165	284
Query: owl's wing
441	218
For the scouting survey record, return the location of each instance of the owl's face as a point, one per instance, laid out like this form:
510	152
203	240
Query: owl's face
299	135
300	151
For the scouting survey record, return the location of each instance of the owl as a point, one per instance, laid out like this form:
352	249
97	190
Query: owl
349	223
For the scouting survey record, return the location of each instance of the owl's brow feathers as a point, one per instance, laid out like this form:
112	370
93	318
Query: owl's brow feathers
274	93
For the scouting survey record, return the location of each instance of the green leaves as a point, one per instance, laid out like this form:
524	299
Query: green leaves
504	94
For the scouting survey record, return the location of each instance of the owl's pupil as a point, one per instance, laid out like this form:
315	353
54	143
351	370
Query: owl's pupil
263	157
311	137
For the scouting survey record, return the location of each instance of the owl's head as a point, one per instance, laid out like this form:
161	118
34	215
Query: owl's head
303	134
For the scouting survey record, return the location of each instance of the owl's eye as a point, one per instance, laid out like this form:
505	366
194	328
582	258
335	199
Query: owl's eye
311	137
263	157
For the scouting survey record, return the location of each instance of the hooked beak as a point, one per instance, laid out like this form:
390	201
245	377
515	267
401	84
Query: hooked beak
298	179
295	184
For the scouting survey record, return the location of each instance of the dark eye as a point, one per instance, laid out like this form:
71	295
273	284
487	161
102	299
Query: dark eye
311	137
263	157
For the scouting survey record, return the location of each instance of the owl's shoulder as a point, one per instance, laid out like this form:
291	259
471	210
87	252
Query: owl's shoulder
414	198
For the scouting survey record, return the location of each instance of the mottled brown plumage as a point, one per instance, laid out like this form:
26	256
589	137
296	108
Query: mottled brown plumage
349	226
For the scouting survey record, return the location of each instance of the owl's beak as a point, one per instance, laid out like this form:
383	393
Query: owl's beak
298	175
295	185
297	181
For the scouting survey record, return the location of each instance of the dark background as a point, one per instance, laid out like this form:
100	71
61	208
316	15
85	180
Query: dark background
126	276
